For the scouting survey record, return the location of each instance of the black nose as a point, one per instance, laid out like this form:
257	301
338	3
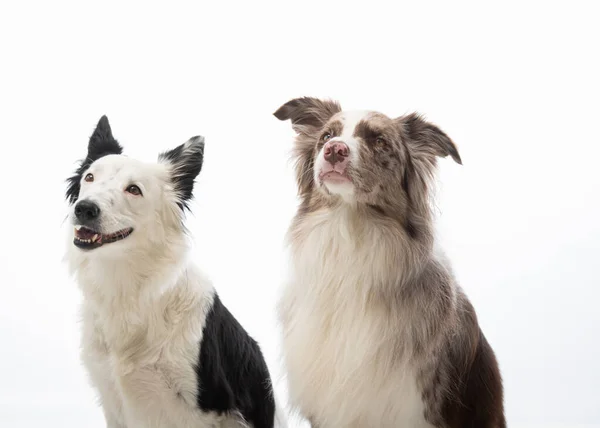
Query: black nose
86	211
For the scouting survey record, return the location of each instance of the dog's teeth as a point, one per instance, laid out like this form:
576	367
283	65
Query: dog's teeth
95	237
78	227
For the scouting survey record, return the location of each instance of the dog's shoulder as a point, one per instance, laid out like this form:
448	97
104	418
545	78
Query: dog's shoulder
232	372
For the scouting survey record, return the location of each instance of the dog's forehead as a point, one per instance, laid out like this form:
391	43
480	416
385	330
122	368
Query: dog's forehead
112	163
351	119
118	165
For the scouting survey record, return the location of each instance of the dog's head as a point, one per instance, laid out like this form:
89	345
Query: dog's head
125	204
363	157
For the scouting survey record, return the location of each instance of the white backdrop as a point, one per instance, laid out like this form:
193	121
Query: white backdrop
515	85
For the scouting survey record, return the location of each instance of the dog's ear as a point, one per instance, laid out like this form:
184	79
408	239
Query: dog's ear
102	143
426	140
307	114
185	163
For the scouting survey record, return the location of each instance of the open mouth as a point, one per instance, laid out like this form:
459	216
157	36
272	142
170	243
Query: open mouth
88	238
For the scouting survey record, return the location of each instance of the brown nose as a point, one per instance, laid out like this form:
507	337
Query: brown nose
335	151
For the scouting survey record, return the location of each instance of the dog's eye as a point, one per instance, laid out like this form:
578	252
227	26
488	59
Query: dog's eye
326	136
380	141
89	178
134	190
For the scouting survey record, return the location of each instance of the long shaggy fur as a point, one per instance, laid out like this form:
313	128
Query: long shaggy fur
160	348
376	331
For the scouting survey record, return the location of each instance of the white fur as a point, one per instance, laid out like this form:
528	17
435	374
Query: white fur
336	347
350	119
144	304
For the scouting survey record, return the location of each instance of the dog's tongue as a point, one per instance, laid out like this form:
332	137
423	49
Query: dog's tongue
84	233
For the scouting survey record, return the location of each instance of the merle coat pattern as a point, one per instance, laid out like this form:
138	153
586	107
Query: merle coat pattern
376	330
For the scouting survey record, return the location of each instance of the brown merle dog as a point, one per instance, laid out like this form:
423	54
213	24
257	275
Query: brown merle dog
377	333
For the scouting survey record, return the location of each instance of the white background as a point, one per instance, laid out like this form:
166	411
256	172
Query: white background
515	85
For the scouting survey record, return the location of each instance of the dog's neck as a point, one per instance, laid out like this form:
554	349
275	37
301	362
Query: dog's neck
359	231
134	296
113	281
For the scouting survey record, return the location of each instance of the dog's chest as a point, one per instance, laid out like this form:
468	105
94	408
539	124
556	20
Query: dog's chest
160	359
346	368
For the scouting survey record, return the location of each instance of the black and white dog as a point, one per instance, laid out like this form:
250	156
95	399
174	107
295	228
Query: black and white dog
160	347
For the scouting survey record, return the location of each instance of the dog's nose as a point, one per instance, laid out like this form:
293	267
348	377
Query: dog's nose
335	151
86	211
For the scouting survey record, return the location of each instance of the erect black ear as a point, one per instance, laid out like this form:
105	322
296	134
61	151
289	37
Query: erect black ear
185	163
101	143
307	113
426	139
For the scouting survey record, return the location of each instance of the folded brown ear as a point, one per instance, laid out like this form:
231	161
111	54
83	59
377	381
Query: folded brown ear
307	112
426	139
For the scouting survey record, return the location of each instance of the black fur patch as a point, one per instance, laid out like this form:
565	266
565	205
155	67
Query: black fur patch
102	143
187	162
232	373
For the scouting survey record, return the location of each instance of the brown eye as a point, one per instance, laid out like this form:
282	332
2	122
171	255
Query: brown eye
134	190
326	136
89	178
380	141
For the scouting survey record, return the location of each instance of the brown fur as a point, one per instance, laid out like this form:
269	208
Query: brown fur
457	372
